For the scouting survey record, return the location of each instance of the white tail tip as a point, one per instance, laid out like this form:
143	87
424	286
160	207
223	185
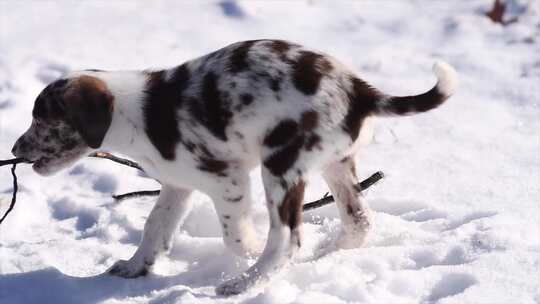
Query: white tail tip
447	78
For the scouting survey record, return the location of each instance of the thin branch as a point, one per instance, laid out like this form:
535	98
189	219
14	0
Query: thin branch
327	199
13	161
122	161
361	186
120	197
15	188
116	159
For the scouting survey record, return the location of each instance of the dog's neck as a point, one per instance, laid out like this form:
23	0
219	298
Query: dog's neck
126	134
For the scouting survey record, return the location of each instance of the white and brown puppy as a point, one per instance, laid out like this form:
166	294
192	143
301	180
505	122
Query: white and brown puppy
205	124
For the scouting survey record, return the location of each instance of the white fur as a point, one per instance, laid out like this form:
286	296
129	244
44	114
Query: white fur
447	78
171	209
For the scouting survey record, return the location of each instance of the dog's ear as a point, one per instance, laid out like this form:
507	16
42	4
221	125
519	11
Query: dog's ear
89	107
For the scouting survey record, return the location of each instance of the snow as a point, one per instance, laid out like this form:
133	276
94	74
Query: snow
457	216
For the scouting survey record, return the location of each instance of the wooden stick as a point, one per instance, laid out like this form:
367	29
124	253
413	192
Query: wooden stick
15	188
120	197
327	199
116	159
361	186
13	161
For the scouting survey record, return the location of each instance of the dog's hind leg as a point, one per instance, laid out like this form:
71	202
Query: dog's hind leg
284	203
354	211
171	208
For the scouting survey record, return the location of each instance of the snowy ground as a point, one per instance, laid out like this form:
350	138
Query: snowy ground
457	217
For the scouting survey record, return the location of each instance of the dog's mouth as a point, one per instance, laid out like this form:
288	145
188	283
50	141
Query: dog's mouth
39	162
41	166
46	166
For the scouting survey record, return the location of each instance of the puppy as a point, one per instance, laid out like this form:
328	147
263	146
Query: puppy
205	124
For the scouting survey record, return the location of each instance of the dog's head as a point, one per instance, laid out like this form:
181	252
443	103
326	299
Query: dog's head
70	118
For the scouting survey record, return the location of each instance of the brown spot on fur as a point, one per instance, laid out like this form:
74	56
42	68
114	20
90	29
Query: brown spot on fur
213	110
238	61
352	166
280	46
162	100
353	169
281	134
275	84
246	99
283	183
50	103
215	166
312	141
350	210
290	210
309	120
308	71
189	146
362	100
234	199
239	135
282	160
205	151
89	106
69	144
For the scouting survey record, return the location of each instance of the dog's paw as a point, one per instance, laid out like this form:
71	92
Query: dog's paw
129	269
350	241
233	286
353	238
355	235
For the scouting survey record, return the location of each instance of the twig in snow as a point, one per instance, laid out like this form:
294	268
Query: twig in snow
327	199
361	186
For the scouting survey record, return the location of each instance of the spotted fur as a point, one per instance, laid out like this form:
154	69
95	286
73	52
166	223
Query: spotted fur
309	69
163	97
206	123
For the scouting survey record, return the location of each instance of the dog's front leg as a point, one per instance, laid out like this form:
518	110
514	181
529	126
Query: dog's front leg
171	208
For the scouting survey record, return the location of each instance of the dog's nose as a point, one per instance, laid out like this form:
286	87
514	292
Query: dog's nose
15	149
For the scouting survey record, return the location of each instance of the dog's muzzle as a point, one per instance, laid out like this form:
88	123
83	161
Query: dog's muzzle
21	149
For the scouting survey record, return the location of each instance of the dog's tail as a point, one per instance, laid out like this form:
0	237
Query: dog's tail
447	81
